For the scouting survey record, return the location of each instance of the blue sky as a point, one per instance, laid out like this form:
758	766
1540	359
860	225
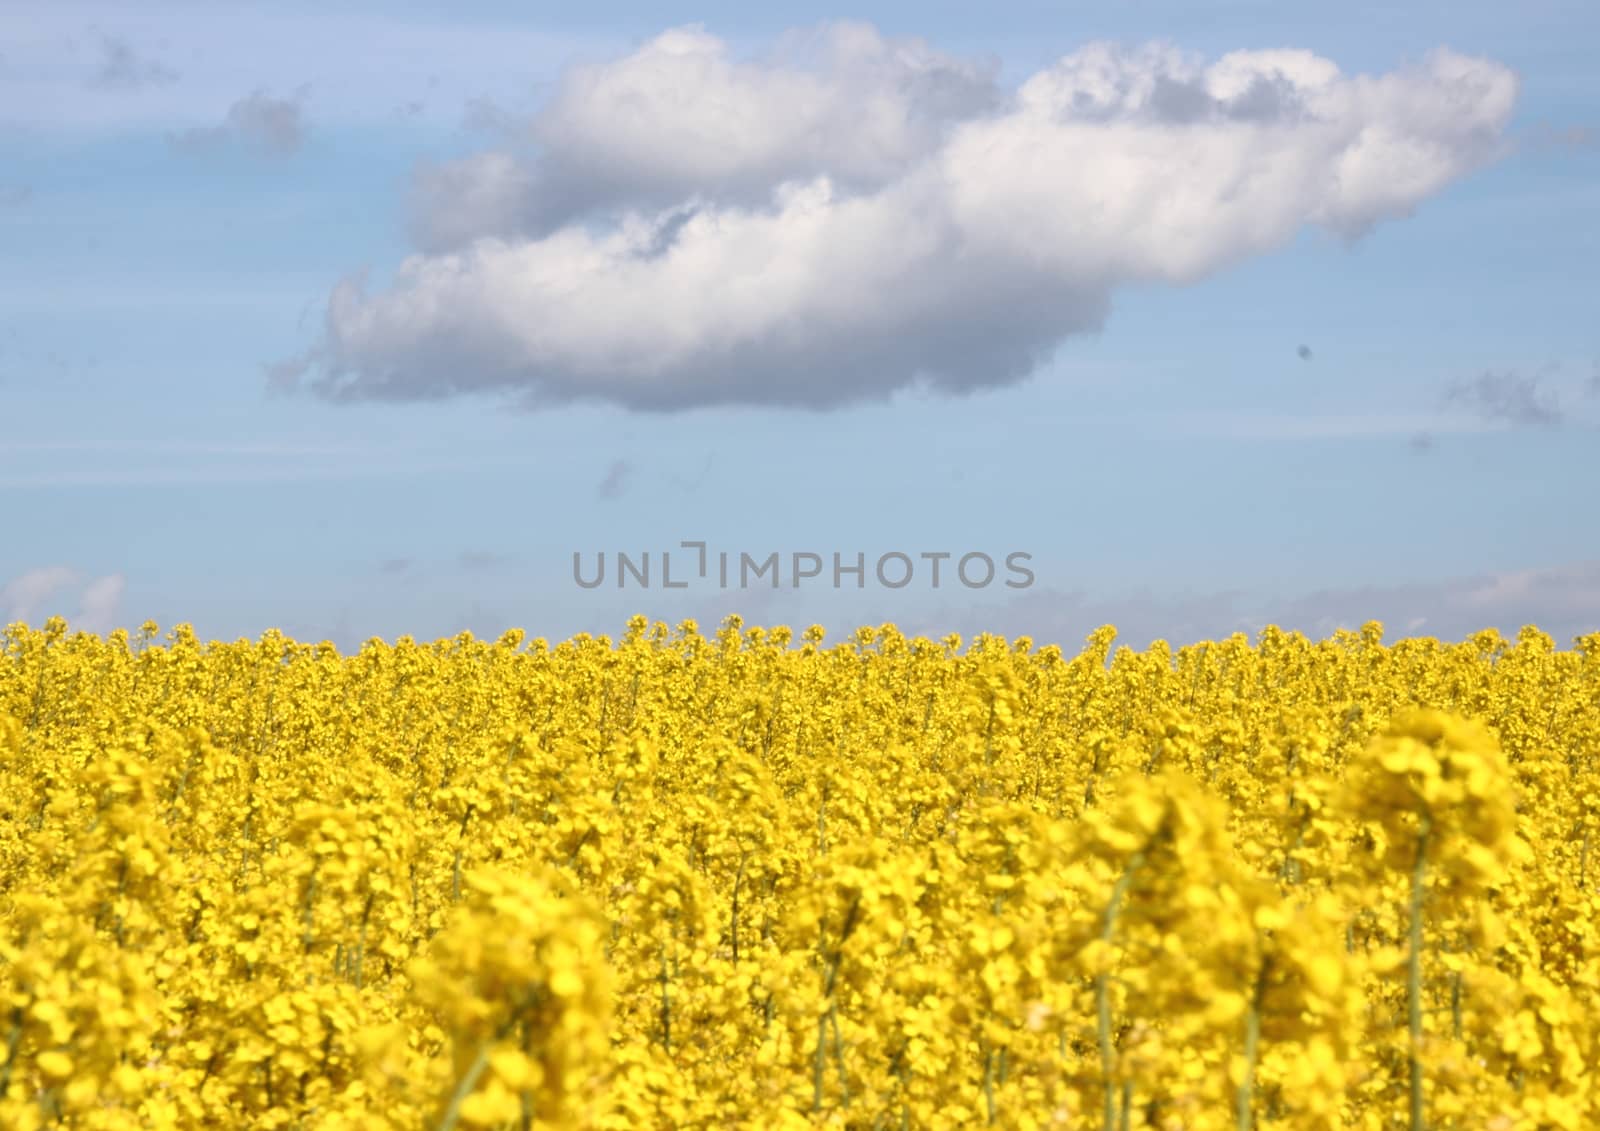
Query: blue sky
1225	313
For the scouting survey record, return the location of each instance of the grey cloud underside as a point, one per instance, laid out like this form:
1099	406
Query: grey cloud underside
956	344
679	229
1188	102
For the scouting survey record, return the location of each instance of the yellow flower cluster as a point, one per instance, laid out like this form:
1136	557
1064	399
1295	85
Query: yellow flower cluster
743	880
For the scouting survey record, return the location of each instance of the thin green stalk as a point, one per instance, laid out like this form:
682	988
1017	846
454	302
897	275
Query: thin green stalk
1252	1050
818	1062
988	1083
838	1054
666	1006
1414	973
455	868
851	919
469	1081
1102	994
13	1043
733	916
359	961
308	912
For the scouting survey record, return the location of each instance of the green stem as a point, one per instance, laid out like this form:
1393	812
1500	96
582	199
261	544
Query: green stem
452	1113
818	1061
1102	994
666	1006
1252	1048
13	1042
988	1083
838	1053
1414	973
733	916
308	912
359	962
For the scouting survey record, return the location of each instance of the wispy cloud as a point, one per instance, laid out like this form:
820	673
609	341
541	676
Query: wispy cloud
283	376
1545	137
487	116
114	292
22	596
215	475
1327	426
615	481
38	594
694	482
1509	398
1563	600
271	448
477	561
123	69
467	561
226	47
275	126
101	603
108	462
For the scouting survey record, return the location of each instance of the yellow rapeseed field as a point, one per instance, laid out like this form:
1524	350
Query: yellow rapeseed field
742	880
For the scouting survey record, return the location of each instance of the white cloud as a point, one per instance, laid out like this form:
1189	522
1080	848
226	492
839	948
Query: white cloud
698	231
39	594
679	119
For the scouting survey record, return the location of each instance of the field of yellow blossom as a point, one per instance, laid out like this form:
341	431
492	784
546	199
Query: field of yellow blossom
740	880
